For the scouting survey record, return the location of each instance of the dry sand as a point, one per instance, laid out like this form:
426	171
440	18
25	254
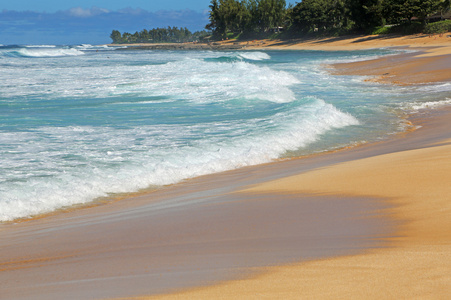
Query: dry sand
347	43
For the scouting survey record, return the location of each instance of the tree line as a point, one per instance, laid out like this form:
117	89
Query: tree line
257	18
246	16
157	35
322	16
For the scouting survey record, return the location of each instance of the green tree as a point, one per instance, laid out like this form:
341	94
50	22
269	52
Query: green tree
313	15
126	37
116	36
271	13
339	14
407	9
245	16
445	5
144	36
157	35
367	14
217	24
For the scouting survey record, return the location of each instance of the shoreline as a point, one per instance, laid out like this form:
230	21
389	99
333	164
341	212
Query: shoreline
401	69
41	251
427	61
342	43
423	240
416	262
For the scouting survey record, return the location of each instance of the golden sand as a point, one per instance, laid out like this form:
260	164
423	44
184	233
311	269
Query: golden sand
418	262
347	43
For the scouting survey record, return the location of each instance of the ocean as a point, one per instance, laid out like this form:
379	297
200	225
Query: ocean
79	123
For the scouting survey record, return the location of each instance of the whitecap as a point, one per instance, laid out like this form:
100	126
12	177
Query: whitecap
254	55
40	46
50	52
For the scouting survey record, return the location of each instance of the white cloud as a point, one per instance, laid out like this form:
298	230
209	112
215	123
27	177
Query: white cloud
85	13
132	11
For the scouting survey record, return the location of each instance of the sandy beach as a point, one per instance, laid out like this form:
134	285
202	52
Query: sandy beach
430	64
427	61
417	262
413	180
380	213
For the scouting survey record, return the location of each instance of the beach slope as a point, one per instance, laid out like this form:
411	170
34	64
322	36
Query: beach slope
413	179
417	263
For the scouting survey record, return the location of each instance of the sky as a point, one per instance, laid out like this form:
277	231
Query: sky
65	22
60	5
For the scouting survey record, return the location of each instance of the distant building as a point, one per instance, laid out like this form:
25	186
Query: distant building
440	17
276	29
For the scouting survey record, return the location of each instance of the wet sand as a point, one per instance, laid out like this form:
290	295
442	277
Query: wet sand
199	232
402	69
210	229
410	174
415	181
186	241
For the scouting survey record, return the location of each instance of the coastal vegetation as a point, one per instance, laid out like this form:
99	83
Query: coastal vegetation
438	27
249	19
158	35
320	17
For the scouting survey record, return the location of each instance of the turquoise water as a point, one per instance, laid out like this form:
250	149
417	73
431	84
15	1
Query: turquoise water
82	122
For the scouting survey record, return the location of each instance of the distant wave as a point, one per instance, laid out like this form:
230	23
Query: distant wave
89	47
9	46
40	46
255	55
44	52
233	57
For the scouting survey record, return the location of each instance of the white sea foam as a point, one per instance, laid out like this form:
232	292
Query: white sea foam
89	47
40	46
85	126
227	81
84	46
254	55
62	166
439	87
363	55
427	105
208	81
50	52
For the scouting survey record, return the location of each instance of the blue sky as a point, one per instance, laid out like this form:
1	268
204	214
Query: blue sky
90	21
65	22
149	5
